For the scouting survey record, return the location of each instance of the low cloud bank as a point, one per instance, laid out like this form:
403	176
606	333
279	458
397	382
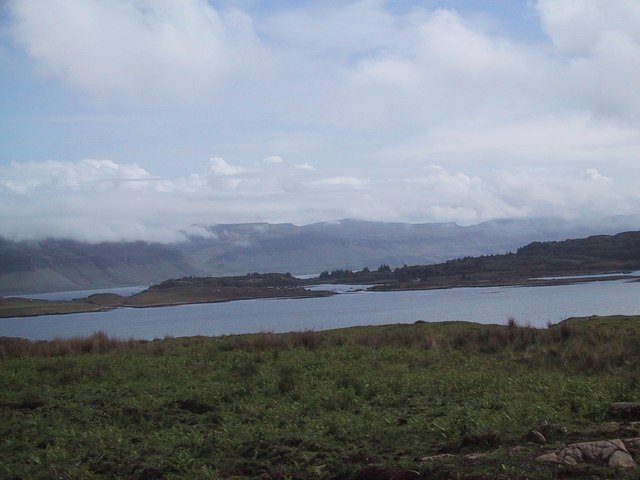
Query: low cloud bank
101	200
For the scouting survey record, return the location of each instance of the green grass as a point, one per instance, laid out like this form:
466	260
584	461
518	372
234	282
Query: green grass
366	402
22	307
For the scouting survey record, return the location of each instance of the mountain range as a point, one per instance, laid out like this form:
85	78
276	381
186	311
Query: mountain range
234	249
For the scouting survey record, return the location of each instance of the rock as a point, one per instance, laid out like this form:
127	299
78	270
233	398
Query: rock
535	437
569	457
625	410
621	461
611	453
600	451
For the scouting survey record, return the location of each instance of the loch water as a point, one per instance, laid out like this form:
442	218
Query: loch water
537	306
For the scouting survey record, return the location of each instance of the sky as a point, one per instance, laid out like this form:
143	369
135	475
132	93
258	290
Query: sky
149	119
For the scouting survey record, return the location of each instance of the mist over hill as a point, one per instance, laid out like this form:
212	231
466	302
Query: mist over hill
231	249
354	244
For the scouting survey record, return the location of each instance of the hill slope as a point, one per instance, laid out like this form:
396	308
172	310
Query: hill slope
67	265
593	255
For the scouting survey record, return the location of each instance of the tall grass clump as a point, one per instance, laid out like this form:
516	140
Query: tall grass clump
286	379
98	343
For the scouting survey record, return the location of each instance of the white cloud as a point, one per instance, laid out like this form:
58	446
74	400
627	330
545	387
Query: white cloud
273	159
147	49
600	40
355	65
594	174
577	26
352	182
305	166
444	66
219	166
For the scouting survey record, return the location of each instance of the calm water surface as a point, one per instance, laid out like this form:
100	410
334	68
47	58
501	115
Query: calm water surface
536	305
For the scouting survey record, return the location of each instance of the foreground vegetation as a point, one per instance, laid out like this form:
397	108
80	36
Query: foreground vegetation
448	400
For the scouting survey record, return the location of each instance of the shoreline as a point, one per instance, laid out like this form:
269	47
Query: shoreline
24	308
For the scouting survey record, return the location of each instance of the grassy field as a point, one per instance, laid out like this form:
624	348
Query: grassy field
449	400
24	307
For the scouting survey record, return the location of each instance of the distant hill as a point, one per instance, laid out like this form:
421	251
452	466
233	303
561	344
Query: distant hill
57	265
354	244
237	249
624	247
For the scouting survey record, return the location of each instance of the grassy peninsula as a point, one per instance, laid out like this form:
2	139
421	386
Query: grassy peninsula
431	401
181	291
